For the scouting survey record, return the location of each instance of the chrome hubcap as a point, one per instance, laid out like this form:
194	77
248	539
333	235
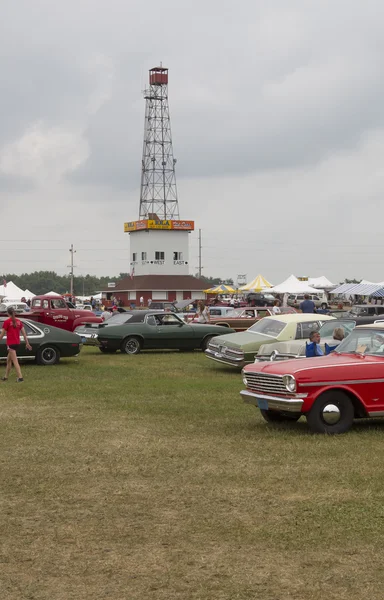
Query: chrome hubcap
49	354
131	346
331	414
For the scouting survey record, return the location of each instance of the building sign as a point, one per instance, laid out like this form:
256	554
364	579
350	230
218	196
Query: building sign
111	284
151	224
183	225
161	224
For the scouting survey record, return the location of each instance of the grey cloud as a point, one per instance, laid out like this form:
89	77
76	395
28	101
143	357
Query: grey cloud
10	184
257	89
250	106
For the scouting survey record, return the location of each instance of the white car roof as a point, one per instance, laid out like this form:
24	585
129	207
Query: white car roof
371	326
301	317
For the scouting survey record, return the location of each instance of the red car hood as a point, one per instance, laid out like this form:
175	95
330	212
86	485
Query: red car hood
335	367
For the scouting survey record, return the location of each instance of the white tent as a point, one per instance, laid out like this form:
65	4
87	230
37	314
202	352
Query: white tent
53	294
11	291
292	285
28	295
321	283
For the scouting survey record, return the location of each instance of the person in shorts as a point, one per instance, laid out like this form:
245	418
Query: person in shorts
12	328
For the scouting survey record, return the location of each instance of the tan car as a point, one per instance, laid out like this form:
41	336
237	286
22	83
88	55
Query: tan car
320	300
240	319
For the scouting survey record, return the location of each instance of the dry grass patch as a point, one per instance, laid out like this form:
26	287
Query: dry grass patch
147	477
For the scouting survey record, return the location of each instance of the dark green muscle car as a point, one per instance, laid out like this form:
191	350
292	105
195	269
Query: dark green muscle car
48	343
139	330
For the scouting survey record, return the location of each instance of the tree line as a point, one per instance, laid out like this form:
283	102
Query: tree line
41	282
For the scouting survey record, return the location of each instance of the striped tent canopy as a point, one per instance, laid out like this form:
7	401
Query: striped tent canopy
358	289
220	289
256	285
379	293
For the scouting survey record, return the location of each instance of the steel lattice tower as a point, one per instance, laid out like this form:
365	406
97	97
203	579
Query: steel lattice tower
158	194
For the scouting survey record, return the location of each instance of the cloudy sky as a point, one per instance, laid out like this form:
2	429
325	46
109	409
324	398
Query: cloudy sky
278	128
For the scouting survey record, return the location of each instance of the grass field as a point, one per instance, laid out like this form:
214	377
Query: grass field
146	477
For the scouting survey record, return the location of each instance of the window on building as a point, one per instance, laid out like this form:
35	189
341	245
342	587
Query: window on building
143	256
159	295
134	256
159	255
177	256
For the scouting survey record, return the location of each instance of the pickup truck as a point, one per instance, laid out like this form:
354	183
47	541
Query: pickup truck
54	311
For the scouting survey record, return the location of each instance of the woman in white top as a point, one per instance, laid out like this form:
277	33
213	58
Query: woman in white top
276	307
202	313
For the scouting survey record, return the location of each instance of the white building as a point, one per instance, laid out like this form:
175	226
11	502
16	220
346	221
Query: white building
159	252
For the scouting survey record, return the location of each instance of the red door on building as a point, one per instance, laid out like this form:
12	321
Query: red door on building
171	296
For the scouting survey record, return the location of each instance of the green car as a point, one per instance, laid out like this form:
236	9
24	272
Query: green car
48	343
239	349
138	330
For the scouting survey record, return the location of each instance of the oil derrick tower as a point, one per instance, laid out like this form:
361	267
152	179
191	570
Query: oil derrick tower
159	240
158	194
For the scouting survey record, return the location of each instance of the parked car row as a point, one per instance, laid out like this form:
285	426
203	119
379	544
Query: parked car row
330	391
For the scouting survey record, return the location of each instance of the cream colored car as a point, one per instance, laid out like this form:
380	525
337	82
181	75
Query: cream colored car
239	349
297	348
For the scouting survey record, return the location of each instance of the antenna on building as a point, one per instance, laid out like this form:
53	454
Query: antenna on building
158	193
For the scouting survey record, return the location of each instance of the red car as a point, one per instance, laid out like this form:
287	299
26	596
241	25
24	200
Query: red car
330	391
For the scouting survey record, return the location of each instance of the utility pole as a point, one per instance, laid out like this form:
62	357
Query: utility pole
200	267
71	266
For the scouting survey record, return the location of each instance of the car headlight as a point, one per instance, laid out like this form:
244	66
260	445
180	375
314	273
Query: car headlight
290	383
244	378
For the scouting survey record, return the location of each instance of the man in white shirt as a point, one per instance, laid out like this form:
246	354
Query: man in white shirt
141	301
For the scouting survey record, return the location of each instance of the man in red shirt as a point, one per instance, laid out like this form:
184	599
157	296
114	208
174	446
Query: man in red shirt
12	328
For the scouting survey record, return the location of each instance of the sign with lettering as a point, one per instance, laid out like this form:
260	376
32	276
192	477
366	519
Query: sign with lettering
159	224
183	225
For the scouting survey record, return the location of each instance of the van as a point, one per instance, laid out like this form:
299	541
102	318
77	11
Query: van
296	299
